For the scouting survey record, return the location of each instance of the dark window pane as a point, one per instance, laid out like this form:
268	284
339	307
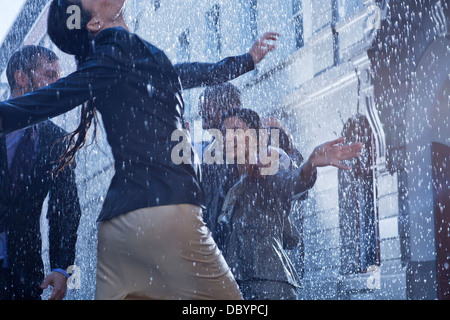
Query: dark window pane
184	47
157	4
298	27
296	6
357	208
213	30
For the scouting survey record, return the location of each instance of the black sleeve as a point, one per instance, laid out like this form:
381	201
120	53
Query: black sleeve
98	74
64	215
198	74
291	235
290	185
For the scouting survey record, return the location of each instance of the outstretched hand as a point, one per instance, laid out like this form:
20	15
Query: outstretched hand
261	47
58	282
330	154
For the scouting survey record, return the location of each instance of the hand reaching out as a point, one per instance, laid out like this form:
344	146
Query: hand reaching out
330	154
59	284
260	48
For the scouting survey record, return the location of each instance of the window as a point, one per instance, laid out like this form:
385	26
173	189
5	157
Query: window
254	19
357	209
156	4
184	55
184	50
297	19
4	91
348	7
213	40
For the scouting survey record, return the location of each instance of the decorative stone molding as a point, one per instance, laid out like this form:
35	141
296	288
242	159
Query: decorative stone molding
367	106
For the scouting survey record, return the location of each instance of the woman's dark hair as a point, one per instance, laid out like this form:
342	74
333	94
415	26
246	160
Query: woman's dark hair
75	42
283	139
77	139
250	117
68	38
220	97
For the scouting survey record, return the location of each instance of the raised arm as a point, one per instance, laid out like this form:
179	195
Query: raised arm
198	74
331	154
295	183
93	77
63	215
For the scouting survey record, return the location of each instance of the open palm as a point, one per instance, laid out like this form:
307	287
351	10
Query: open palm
330	154
262	47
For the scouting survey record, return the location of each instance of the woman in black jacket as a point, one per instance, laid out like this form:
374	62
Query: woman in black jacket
152	241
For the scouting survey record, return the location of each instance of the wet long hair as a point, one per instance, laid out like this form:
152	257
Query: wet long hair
68	38
249	116
75	42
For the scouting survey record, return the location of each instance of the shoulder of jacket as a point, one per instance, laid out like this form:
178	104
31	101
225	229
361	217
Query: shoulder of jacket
50	128
112	41
51	136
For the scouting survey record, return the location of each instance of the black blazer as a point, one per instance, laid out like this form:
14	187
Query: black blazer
24	211
139	94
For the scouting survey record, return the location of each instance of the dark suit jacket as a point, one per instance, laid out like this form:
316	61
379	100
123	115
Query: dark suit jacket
138	92
217	180
23	216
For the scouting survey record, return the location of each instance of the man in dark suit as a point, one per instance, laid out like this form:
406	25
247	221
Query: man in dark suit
26	163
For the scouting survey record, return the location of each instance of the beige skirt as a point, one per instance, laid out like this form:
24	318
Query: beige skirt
161	253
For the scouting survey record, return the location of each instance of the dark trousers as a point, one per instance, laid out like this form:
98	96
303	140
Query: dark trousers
267	290
17	286
5	284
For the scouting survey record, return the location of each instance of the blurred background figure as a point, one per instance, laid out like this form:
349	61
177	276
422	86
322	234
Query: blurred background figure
253	217
294	243
217	179
27	160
